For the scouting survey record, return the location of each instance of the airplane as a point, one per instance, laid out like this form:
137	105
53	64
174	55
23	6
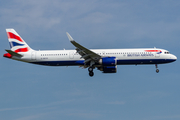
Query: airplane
105	60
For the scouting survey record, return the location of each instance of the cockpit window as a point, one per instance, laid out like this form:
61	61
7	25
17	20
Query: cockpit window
166	52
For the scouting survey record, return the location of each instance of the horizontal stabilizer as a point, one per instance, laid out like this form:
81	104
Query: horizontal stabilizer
14	53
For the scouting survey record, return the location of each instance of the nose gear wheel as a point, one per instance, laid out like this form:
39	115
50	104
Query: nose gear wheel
157	70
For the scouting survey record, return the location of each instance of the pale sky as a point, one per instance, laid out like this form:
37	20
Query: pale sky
34	92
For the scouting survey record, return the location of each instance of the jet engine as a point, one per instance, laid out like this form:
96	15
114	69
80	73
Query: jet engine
108	61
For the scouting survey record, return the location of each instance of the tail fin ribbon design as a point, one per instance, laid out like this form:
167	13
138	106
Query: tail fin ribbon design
17	44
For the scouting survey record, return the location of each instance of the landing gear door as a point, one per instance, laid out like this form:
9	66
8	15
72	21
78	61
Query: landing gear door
33	55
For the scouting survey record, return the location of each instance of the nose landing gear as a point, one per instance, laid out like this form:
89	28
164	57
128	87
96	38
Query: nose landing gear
157	70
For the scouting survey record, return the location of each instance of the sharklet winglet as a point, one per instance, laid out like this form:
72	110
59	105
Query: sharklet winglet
69	36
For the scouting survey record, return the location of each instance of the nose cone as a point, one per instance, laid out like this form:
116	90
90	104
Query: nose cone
173	57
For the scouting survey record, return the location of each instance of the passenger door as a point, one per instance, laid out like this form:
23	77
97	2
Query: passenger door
71	55
33	55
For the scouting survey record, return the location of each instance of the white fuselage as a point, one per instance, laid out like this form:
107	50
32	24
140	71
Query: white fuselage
105	60
123	56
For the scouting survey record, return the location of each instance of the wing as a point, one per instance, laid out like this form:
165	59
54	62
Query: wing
85	53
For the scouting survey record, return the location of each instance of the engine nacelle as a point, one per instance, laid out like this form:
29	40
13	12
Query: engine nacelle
108	61
109	69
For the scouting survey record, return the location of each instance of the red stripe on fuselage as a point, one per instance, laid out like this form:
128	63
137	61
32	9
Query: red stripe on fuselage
153	50
13	36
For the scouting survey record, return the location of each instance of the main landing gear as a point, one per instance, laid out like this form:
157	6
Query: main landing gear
157	70
91	73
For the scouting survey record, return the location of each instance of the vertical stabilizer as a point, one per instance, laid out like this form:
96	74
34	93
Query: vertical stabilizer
17	44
